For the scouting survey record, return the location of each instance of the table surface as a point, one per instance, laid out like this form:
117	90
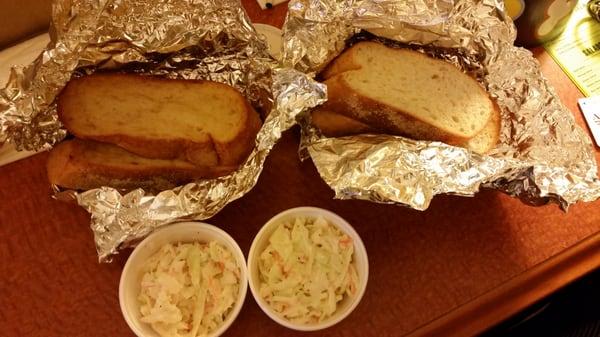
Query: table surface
458	268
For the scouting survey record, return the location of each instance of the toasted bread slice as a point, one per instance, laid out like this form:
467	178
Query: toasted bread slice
333	124
204	122
407	93
85	164
487	138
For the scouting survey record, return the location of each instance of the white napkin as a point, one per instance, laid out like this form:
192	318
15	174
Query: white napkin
590	106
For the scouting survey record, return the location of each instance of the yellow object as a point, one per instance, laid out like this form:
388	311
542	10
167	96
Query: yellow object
577	50
514	8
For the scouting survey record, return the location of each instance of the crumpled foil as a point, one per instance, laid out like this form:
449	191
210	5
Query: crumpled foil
542	154
188	39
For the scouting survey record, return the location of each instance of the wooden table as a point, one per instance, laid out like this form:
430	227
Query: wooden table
456	269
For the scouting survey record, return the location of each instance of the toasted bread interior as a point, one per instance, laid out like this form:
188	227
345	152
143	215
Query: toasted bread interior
146	108
426	89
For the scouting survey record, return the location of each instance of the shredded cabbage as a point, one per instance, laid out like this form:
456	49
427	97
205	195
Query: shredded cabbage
188	289
306	269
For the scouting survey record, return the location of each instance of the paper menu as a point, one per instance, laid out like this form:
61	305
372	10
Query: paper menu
577	50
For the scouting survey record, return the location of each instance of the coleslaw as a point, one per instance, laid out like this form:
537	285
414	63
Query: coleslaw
307	269
188	289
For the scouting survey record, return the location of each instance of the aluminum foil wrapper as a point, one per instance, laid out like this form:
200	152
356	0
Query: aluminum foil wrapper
187	39
542	154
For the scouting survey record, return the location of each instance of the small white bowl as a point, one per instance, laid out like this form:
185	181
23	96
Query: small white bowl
344	307
129	286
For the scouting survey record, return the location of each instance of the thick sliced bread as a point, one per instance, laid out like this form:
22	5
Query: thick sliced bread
204	122
487	138
333	124
407	93
85	164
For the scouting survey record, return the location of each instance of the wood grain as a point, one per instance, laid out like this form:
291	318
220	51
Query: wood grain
455	269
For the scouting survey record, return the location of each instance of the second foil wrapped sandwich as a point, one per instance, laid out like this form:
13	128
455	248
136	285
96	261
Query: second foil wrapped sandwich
431	97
